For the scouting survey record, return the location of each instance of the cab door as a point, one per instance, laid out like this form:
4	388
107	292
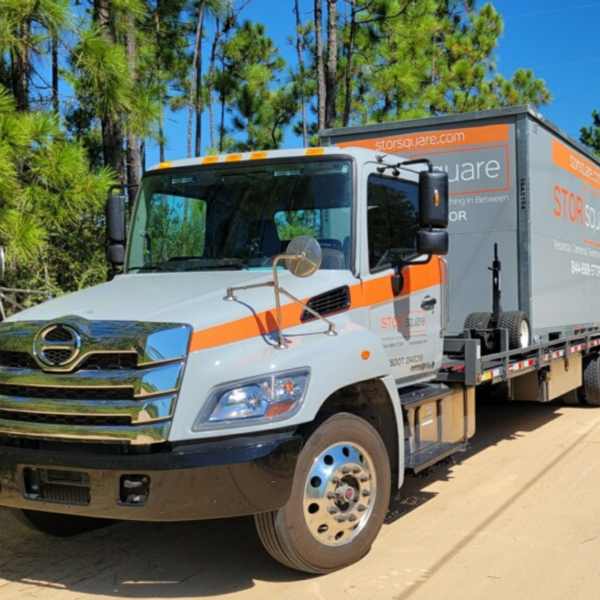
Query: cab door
405	303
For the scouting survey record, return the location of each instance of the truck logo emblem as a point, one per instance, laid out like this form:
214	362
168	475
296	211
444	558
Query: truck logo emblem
57	345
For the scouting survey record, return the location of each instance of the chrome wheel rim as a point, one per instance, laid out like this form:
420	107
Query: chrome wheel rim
524	334
339	494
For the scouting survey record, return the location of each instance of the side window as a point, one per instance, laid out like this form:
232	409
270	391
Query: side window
392	219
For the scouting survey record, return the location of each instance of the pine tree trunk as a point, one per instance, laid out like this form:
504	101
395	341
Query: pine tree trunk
161	118
301	67
348	74
331	63
55	80
194	81
111	124
21	67
133	151
210	81
199	101
321	92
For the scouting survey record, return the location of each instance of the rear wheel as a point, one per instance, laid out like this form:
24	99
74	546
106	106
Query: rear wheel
519	331
339	499
573	398
58	524
591	380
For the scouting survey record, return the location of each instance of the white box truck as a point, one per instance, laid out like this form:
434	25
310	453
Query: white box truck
285	339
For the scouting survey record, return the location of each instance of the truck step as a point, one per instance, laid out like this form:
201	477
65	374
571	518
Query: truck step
424	393
421	459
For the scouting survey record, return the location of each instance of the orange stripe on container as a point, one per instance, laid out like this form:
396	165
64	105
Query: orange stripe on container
365	294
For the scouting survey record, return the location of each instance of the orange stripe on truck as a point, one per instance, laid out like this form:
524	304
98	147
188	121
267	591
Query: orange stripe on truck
363	294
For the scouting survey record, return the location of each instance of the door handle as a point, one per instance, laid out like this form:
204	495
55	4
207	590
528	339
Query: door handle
428	303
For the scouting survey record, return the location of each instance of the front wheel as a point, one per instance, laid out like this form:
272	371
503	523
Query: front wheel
58	524
339	499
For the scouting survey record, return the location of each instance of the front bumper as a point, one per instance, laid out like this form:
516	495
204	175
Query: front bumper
231	478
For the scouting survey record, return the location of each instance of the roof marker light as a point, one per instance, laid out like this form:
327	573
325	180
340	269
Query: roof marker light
258	155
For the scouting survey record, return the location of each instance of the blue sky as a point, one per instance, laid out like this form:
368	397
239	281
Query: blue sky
558	41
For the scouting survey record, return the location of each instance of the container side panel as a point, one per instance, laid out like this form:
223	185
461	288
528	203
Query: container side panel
565	232
481	163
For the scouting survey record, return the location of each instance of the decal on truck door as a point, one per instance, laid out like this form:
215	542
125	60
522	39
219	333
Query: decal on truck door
408	325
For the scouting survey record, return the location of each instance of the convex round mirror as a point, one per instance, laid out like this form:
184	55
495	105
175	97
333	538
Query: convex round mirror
304	256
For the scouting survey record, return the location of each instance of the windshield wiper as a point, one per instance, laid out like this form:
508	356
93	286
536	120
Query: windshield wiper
151	267
237	266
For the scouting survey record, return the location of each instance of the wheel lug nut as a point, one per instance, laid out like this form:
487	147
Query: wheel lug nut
363	478
356	470
341	518
361	507
345	470
333	509
336	480
352	518
331	495
366	493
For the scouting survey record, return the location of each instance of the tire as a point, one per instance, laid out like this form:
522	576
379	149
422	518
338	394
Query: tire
519	330
573	398
591	380
478	321
58	524
340	496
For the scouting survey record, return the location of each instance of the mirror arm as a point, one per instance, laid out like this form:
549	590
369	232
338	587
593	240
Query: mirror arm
281	341
407	261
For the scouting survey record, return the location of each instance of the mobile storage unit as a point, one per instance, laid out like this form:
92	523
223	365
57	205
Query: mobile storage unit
518	181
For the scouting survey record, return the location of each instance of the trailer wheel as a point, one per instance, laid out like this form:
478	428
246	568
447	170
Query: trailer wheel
519	331
339	499
591	380
573	398
58	524
478	321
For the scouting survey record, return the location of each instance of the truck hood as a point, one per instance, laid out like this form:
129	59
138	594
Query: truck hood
191	298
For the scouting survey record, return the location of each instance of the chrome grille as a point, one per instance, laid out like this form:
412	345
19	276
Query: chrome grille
109	362
56	419
17	360
59	334
56	357
123	388
71	393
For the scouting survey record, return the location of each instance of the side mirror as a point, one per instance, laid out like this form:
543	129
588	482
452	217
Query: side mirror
432	241
115	219
116	254
433	199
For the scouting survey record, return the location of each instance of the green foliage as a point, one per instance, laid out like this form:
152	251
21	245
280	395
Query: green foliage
590	136
50	201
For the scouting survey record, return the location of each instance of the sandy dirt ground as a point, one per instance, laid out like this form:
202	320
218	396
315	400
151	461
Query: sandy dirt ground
516	517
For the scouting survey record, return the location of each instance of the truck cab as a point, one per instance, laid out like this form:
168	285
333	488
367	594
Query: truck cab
207	380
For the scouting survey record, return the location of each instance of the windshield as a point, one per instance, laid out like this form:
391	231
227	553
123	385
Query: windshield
241	216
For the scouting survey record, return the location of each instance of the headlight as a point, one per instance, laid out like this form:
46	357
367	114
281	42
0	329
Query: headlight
265	397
